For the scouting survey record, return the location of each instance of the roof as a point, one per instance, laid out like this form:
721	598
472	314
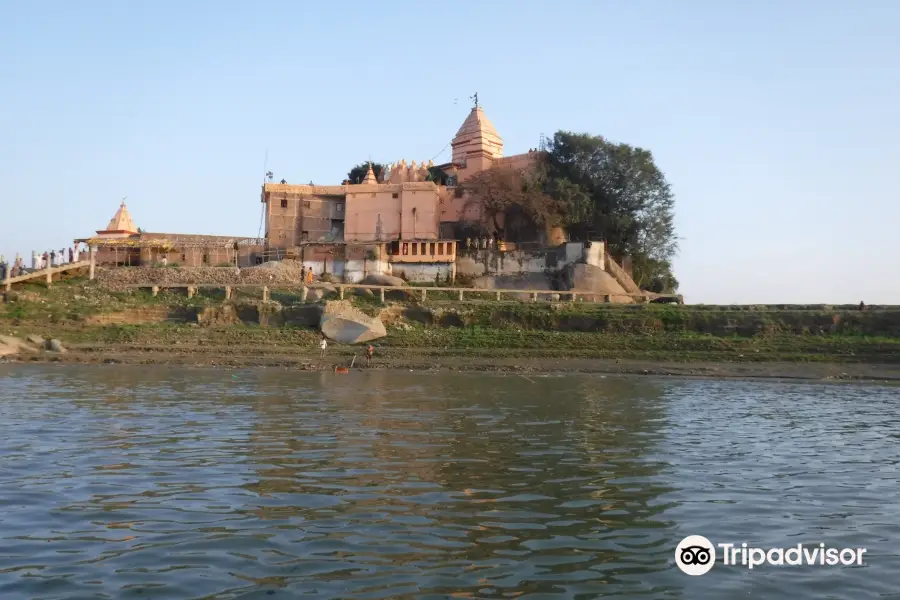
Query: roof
476	125
173	240
121	221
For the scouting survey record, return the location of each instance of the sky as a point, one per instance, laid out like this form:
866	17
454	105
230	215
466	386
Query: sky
777	123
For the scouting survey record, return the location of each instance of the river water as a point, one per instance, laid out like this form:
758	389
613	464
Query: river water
138	482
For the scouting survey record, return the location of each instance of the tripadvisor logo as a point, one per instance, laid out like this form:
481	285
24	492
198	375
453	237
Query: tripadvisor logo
696	555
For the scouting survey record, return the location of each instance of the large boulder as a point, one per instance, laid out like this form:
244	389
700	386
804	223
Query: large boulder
382	279
343	323
55	345
591	280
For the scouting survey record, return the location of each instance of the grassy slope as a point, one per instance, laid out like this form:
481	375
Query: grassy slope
488	329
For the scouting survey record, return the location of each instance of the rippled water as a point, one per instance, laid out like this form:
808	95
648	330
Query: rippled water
119	482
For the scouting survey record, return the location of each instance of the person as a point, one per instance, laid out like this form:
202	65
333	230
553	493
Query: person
52	258
2	268
370	352
75	252
165	261
309	276
71	255
303	274
323	345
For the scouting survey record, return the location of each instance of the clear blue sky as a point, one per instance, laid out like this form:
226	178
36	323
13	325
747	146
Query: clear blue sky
776	121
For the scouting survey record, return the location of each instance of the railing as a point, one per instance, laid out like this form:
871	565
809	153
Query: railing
46	273
422	292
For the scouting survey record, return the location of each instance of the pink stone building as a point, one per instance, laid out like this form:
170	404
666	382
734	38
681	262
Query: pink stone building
405	205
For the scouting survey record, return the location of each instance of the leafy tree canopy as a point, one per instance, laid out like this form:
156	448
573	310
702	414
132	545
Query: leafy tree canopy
617	192
518	197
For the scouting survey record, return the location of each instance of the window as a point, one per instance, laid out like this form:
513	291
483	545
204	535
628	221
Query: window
423	248
304	235
431	249
183	257
395	248
206	259
415	248
306	204
405	249
395	195
340	208
441	248
284	203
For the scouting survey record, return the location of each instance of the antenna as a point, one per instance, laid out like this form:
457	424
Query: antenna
542	143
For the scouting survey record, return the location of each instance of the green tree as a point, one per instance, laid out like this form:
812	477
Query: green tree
358	173
516	195
617	192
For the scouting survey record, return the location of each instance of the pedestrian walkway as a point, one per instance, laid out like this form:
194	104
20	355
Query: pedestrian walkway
45	274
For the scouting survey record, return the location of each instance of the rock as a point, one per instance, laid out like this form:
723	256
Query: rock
10	345
345	324
364	292
55	345
382	279
554	297
36	340
594	281
225	314
314	295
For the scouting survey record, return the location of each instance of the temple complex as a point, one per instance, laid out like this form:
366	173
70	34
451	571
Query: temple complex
405	219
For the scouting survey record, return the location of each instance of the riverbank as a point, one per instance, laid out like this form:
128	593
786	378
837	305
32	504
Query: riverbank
132	327
415	361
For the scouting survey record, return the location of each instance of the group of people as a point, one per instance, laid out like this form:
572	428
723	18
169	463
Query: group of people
53	258
482	243
306	275
13	270
370	350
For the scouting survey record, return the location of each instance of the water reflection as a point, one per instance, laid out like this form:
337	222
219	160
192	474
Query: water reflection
121	481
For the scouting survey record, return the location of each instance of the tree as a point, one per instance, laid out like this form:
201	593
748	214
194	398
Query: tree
358	173
518	197
619	194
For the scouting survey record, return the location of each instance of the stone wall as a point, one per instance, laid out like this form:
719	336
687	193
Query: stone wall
424	272
476	263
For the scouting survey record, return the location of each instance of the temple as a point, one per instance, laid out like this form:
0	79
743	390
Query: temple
122	243
407	203
407	218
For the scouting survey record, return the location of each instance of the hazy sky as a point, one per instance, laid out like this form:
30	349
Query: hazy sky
776	121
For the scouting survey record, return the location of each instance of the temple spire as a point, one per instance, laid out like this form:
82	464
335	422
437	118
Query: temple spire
370	176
